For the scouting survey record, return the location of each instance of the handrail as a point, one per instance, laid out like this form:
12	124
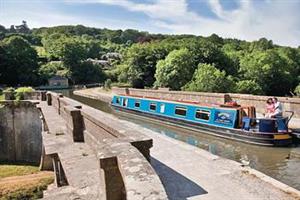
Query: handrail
290	117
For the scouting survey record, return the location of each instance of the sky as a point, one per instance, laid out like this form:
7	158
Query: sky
278	20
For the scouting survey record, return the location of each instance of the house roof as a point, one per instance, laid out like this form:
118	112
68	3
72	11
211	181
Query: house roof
56	77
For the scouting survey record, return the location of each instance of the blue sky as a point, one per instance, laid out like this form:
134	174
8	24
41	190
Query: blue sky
278	20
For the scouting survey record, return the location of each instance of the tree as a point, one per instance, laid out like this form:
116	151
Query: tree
269	70
207	78
21	64
205	51
297	90
70	50
50	69
87	72
2	29
73	52
139	65
248	87
261	45
292	59
54	45
176	70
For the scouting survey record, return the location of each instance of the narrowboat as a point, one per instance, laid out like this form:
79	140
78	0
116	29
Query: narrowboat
227	121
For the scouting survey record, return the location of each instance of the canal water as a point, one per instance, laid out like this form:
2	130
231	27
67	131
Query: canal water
282	164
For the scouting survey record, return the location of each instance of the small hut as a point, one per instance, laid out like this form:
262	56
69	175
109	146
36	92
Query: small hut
58	81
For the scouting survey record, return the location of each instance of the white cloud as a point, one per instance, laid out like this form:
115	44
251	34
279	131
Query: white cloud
274	19
42	15
278	20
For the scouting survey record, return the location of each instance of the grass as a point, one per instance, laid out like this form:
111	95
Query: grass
7	170
23	181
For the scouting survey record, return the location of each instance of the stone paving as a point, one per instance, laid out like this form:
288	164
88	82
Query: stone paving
188	172
80	164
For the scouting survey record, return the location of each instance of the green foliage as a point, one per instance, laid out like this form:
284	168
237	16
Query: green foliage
248	87
107	84
262	44
18	62
204	51
297	90
269	70
30	57
121	85
8	169
27	187
51	69
87	72
207	78
30	191
139	63
9	89
176	70
21	91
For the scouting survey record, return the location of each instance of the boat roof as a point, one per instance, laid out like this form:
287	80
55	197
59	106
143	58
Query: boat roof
182	102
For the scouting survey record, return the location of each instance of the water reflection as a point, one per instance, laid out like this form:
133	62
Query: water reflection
279	163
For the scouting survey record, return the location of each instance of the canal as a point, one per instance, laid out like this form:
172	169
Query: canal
282	164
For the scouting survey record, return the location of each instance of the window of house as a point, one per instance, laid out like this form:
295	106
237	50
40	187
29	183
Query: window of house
179	110
137	104
152	106
118	100
202	114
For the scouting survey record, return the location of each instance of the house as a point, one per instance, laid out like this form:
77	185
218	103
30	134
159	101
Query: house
112	56
58	81
103	63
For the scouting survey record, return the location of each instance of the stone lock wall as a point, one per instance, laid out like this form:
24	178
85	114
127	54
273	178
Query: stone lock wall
20	132
118	148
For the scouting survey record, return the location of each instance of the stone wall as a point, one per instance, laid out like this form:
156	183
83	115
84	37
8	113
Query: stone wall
20	132
123	154
36	95
289	104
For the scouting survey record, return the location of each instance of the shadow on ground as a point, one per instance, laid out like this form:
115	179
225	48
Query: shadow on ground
177	186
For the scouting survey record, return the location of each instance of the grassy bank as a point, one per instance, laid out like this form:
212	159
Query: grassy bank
23	181
7	170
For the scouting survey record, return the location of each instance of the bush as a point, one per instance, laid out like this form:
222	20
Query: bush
297	90
121	85
107	84
207	78
10	89
19	93
248	87
11	95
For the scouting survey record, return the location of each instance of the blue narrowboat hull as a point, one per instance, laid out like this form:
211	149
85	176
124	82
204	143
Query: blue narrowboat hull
251	137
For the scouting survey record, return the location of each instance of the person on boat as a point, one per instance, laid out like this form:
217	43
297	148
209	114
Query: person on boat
270	108
278	108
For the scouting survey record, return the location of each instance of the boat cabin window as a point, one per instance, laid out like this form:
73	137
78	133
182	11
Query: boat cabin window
162	108
180	111
137	104
202	114
153	106
125	102
117	100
